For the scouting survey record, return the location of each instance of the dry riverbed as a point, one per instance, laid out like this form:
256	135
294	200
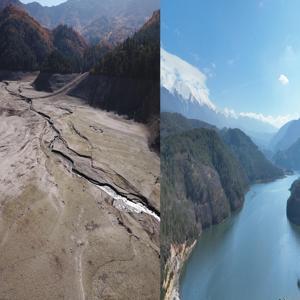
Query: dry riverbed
79	201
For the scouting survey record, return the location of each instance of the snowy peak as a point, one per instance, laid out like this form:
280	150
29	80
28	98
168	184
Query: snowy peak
183	79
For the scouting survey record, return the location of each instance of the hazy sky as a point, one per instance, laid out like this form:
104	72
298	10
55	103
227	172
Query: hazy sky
45	2
249	50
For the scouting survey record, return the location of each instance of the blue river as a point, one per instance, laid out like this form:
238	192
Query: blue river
254	255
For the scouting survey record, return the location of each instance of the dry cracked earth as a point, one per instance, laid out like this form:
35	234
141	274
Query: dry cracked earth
79	200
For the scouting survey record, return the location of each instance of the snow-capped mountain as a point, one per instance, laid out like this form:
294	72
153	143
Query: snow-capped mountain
184	80
184	90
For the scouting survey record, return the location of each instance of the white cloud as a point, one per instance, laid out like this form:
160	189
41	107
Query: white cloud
261	4
283	79
230	113
276	121
188	81
178	76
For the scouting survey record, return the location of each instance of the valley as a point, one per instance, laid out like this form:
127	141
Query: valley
80	204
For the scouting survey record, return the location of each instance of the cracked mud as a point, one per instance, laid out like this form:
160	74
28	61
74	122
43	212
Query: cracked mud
79	202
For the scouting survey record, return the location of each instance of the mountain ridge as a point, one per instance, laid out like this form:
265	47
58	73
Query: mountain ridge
289	158
286	136
123	17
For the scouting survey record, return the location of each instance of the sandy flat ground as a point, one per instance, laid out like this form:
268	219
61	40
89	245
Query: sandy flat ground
79	201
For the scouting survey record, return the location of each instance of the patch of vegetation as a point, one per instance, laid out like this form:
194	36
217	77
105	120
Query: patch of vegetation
184	159
24	44
56	62
137	57
253	161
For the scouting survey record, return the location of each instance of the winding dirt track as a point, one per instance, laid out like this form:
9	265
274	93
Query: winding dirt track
79	202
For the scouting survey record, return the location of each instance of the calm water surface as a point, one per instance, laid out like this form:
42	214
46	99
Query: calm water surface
255	255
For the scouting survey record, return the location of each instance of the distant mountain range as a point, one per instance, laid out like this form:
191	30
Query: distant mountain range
183	90
285	146
97	21
286	136
289	158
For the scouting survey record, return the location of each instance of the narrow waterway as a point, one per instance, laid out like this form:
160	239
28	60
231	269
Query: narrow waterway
255	255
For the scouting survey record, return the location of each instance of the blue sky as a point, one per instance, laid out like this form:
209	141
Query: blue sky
249	50
45	2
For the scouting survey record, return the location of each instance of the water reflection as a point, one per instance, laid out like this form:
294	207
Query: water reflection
253	255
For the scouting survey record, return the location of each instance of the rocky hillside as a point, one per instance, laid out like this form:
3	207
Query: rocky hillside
24	43
126	80
253	161
202	183
293	204
110	31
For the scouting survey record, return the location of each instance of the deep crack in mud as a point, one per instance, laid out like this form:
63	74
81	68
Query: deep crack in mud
79	203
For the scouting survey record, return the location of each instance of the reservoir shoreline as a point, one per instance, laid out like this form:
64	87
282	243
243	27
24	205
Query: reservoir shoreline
222	240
